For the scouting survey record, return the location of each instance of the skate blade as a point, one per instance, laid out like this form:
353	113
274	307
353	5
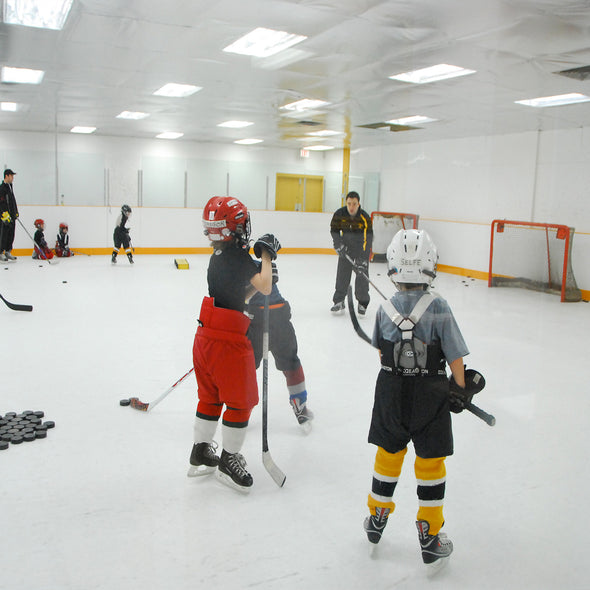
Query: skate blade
305	426
200	470
230	483
432	569
372	550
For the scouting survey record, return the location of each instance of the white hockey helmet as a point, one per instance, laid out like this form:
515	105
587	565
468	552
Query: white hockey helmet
412	257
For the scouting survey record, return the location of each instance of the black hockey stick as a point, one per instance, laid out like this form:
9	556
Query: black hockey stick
359	271
17	306
272	468
40	252
137	404
487	418
78	252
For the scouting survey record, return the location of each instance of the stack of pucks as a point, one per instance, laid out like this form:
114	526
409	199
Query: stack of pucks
24	427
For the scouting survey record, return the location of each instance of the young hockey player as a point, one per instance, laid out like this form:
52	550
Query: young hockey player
62	247
282	343
416	333
41	249
121	235
222	354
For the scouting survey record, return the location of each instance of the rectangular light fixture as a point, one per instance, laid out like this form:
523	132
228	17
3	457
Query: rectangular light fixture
235	124
251	141
9	106
325	133
42	14
169	135
305	104
79	129
174	90
412	120
133	115
263	42
554	101
432	74
21	75
319	148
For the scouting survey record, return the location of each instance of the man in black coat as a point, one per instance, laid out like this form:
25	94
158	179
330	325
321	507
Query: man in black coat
8	216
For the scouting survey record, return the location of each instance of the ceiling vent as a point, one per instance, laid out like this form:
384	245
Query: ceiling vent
389	126
581	73
309	123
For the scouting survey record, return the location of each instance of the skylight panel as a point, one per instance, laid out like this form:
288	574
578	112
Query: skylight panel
42	14
12	75
9	106
432	74
263	42
250	141
235	124
319	148
81	129
305	104
554	101
174	90
169	135
411	120
132	115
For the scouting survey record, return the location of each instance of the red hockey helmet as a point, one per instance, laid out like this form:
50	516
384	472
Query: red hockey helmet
63	226
39	223
226	218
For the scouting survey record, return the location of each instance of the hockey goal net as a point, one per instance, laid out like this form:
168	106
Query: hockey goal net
385	225
533	256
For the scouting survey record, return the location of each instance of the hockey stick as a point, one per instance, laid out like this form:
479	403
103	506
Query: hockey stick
41	253
487	418
17	306
272	468
359	271
136	404
78	252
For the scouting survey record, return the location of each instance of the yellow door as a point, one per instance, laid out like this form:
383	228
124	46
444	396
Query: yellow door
299	193
314	193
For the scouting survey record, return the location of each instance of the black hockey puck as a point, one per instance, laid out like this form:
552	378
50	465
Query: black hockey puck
40	433
27	412
16	440
49	424
34	420
39	414
7	437
64	281
29	436
41	427
124	402
10	414
4	445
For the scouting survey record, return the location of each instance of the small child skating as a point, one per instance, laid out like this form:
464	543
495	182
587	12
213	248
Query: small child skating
416	334
62	242
282	343
41	249
121	235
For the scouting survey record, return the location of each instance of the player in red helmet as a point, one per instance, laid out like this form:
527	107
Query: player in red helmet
222	354
41	249
62	248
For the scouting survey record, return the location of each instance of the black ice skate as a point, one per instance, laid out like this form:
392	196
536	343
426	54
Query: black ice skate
435	548
362	309
303	414
114	258
374	525
232	472
203	459
337	307
130	256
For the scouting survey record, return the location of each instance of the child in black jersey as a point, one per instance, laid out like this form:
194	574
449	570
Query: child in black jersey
121	235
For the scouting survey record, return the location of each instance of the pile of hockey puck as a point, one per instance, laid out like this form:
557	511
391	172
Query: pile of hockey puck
24	427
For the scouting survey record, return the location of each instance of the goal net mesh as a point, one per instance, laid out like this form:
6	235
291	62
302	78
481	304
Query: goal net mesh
385	225
533	256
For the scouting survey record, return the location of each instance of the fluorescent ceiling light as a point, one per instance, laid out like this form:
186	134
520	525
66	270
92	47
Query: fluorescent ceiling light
79	129
169	135
177	90
554	101
263	42
235	124
21	75
432	74
411	120
248	141
43	14
319	148
325	133
134	115
304	104
9	106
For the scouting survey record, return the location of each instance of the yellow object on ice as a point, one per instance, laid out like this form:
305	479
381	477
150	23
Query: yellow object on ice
181	262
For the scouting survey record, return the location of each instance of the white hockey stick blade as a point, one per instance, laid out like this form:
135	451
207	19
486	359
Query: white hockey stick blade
272	468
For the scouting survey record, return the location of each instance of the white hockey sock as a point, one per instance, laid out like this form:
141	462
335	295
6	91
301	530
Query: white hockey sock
233	438
204	430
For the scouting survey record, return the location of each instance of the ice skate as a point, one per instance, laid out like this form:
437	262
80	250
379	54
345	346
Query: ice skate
114	258
374	525
303	414
435	548
231	471
337	307
130	256
9	256
203	459
362	310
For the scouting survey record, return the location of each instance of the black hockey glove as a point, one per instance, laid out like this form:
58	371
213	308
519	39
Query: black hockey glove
269	243
340	250
459	396
275	273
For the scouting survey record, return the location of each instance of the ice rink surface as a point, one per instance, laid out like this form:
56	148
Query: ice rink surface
104	502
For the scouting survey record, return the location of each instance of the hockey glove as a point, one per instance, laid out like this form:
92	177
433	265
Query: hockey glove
269	243
340	250
459	396
5	217
275	273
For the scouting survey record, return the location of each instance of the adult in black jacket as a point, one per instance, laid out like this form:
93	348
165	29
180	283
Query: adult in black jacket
352	232
8	215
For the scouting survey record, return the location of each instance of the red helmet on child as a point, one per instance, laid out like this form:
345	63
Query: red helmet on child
63	226
39	223
226	218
